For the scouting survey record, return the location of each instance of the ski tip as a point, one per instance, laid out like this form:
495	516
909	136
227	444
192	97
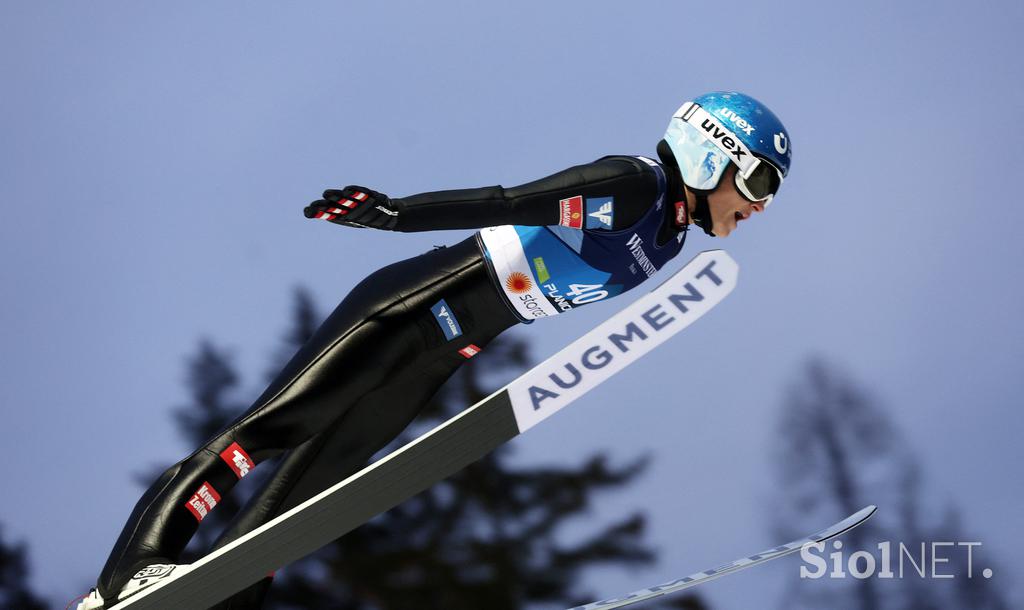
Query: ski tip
859	517
847	524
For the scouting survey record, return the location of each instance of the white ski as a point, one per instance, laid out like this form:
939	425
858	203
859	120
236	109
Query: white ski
692	580
452	445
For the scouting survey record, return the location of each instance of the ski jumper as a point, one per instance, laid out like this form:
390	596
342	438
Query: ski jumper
578	236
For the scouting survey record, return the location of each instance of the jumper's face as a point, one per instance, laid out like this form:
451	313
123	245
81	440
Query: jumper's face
727	206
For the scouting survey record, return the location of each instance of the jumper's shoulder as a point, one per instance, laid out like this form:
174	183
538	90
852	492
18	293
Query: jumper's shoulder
640	176
634	163
627	166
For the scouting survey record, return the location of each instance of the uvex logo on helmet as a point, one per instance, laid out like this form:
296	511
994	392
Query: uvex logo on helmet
724	138
737	121
781	143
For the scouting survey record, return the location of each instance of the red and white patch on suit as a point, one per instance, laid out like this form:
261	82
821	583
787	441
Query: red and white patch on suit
570	212
238	460
359	196
469	351
681	214
203	501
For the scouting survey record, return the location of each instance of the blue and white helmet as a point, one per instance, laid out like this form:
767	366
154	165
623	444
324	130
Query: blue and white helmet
710	131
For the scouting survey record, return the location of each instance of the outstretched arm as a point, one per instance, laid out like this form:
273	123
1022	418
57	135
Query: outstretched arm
632	185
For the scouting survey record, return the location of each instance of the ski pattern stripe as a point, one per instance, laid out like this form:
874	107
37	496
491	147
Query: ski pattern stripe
437	454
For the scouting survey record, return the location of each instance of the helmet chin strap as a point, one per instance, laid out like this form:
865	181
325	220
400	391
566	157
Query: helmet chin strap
702	212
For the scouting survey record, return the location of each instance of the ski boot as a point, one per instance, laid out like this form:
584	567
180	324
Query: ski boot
142	579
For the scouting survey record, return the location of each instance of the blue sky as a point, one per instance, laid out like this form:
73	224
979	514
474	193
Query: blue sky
154	162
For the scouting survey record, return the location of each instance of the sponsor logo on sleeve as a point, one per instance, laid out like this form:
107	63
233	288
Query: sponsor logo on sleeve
445	318
238	460
600	211
203	501
570	212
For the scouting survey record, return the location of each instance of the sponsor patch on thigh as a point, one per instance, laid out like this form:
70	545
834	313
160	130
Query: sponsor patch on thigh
203	501
445	318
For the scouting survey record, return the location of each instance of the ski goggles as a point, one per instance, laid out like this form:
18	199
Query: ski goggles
706	146
762	183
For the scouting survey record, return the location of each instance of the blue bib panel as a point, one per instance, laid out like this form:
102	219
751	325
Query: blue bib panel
544	271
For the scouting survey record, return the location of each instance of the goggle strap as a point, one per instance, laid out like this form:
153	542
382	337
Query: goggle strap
723	138
686	111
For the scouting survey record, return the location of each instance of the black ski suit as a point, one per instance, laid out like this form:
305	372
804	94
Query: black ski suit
372	364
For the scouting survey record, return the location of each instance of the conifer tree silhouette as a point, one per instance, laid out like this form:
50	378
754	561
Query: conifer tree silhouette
15	593
839	451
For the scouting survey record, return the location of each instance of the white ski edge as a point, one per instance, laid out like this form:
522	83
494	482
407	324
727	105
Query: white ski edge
692	580
714	270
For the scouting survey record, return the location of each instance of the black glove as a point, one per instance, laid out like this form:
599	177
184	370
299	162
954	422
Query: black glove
355	206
